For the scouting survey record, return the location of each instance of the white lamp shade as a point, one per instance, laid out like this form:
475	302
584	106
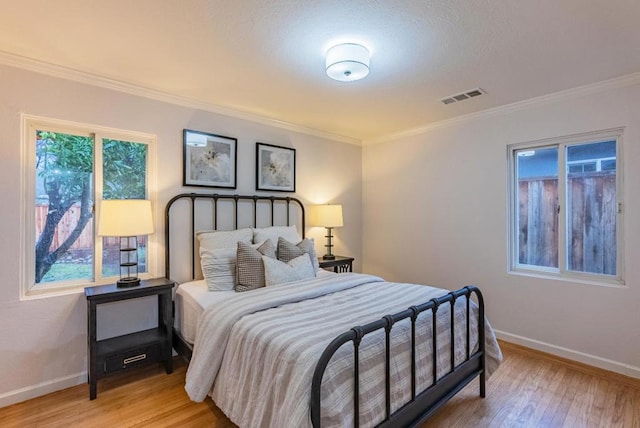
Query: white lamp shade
326	215
125	217
347	62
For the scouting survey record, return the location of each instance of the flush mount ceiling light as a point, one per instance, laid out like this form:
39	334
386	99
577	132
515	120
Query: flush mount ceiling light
347	62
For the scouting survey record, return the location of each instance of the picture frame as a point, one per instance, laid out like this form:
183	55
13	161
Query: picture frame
209	160
275	168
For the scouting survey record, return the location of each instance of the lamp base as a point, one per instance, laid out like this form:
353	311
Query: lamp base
329	246
128	282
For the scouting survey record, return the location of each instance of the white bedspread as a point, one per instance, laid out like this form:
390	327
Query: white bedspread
262	360
193	298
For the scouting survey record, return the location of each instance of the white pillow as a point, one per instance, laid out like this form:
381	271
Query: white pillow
277	272
215	239
218	268
290	233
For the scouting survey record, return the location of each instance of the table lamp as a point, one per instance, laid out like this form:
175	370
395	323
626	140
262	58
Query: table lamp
126	219
328	216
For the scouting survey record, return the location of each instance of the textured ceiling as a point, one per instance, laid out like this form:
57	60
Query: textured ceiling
267	57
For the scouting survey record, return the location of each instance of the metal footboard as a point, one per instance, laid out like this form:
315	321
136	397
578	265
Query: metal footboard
422	404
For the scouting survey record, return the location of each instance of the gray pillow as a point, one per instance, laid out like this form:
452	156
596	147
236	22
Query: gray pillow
249	265
288	251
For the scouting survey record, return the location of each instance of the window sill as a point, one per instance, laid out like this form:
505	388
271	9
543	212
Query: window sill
40	293
576	279
46	291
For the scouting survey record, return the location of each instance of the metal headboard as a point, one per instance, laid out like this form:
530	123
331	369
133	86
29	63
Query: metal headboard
255	200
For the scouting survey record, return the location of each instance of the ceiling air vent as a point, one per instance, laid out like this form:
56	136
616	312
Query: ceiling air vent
462	96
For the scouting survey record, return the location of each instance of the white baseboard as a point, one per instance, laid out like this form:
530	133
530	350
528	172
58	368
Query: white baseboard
581	357
44	388
26	393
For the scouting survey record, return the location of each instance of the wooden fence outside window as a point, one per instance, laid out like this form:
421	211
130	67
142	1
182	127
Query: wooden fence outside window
592	211
66	226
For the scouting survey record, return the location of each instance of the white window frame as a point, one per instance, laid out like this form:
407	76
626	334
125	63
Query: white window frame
561	273
597	162
29	125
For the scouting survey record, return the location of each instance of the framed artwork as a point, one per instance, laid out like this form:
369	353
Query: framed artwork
209	160
275	168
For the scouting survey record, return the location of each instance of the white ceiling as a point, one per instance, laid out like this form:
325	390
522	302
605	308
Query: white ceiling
266	57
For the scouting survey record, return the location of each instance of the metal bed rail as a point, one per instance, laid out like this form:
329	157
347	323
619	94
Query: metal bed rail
425	403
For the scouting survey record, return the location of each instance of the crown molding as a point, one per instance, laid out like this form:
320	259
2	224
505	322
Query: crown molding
54	70
580	91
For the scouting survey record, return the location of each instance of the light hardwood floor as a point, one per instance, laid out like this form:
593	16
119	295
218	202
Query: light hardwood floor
530	389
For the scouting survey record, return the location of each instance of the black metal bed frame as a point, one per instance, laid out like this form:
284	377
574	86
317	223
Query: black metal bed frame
181	346
422	404
215	198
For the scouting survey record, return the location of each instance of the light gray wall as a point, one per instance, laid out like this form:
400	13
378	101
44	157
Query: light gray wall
435	212
453	179
43	341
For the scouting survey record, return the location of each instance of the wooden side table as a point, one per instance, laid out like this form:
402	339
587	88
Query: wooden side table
121	353
339	264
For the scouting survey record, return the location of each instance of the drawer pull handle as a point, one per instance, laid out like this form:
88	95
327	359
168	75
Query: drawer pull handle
134	359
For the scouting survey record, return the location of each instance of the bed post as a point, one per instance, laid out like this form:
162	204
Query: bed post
481	342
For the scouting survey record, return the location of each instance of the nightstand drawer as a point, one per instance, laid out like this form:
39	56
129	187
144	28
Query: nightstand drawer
133	357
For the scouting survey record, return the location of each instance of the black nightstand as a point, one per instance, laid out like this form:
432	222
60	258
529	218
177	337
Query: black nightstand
121	353
339	264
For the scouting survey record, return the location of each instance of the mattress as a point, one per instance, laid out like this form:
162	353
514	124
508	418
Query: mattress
191	299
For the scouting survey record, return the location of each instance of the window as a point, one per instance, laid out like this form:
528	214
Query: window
566	206
68	168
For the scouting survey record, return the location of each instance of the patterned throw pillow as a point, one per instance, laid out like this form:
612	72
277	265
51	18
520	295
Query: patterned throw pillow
288	251
277	272
249	265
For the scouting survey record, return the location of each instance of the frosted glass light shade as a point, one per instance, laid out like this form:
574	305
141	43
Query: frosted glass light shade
347	62
125	217
326	215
